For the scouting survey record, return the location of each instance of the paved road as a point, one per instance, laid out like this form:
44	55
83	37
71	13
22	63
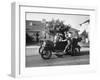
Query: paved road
37	61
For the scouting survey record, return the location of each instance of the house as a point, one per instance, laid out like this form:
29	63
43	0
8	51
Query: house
85	33
34	29
74	32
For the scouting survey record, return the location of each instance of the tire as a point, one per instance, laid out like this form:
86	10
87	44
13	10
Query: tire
75	52
46	54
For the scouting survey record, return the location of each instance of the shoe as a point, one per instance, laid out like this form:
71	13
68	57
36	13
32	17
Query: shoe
64	52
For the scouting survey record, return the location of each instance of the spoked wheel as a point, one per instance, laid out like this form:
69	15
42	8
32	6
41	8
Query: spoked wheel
46	54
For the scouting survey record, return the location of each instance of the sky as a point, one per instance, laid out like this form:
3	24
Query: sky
72	19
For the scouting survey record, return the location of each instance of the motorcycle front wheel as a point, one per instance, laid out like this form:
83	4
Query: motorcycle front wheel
46	54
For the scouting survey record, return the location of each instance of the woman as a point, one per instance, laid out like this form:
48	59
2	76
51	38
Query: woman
56	39
68	39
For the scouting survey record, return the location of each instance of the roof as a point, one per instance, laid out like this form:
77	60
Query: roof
34	25
87	21
73	29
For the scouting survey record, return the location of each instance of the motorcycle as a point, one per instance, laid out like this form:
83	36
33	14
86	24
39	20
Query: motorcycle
48	47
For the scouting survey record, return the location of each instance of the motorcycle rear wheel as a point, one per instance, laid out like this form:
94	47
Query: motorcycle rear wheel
76	52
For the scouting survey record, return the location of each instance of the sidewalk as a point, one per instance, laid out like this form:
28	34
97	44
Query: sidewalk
34	50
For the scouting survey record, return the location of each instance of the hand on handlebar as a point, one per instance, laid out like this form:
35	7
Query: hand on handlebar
63	40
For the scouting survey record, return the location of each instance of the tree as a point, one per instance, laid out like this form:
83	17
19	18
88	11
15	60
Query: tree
84	34
55	26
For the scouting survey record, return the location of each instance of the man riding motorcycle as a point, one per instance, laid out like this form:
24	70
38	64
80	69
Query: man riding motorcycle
58	38
66	44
